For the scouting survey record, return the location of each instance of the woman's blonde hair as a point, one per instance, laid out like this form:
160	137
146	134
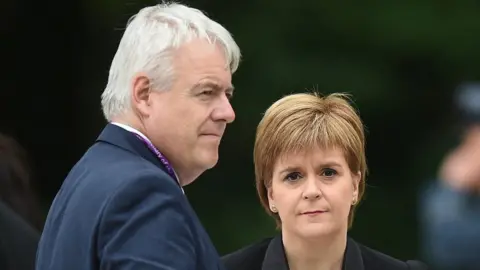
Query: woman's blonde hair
302	121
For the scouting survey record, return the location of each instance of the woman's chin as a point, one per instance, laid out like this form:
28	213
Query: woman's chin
316	230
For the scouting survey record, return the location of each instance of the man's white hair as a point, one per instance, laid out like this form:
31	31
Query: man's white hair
147	44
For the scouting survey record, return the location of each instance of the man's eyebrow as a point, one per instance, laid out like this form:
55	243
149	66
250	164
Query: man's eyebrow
230	89
215	85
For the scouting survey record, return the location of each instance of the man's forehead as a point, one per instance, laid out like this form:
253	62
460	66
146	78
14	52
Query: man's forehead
201	50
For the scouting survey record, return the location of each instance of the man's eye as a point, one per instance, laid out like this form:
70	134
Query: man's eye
207	92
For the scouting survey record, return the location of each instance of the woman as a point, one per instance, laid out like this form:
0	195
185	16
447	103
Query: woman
20	215
310	171
16	187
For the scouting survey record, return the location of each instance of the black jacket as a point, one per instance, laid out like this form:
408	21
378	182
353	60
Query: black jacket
18	241
270	255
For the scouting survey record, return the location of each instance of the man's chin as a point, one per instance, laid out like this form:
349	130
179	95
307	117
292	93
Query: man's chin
208	159
212	163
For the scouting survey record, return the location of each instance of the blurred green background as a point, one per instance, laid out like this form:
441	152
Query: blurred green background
401	62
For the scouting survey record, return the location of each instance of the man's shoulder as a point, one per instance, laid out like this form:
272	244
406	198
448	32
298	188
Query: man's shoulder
115	175
248	257
119	166
374	259
111	157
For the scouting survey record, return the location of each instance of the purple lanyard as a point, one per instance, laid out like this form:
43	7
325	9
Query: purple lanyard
159	155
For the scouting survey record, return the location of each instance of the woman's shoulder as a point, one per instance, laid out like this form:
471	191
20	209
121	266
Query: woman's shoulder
249	257
373	259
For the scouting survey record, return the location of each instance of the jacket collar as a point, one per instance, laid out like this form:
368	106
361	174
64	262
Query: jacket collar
128	141
275	258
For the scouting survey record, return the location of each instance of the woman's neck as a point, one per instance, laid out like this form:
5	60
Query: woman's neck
325	253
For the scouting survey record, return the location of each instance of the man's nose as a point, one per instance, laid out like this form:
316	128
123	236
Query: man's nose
224	111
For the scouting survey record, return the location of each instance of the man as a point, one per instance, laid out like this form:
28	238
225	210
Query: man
450	206
167	100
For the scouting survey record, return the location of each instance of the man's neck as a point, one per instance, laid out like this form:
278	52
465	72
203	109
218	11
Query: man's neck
325	253
138	129
130	122
132	129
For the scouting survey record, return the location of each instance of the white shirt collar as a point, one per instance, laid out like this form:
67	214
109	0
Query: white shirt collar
129	128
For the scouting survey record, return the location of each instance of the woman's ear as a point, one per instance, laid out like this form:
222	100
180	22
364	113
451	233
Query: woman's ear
356	183
271	201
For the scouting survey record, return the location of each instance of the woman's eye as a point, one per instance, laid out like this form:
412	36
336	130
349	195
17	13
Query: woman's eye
329	172
294	176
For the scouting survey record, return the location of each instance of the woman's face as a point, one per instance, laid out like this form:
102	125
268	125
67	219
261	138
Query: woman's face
312	192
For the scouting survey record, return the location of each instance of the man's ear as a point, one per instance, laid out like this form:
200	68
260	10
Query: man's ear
141	93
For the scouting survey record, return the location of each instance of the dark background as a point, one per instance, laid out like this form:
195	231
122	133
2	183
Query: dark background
400	60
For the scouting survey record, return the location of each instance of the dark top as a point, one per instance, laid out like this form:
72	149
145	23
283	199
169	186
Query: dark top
450	227
269	254
18	241
119	209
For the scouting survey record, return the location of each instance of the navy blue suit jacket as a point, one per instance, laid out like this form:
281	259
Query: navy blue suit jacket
119	209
